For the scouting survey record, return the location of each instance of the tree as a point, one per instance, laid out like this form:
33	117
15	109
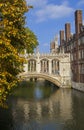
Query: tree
13	39
31	41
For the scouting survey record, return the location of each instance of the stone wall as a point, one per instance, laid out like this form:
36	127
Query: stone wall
78	86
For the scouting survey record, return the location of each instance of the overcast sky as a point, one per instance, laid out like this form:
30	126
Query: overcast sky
48	17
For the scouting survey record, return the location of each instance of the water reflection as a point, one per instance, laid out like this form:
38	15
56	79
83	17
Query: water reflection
63	110
57	107
38	94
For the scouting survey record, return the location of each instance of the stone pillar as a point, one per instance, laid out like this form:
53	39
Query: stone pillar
50	67
30	66
65	71
46	66
42	66
54	66
33	67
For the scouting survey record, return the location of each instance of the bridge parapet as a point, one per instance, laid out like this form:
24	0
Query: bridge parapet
60	55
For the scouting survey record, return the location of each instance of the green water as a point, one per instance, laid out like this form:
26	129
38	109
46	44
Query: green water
35	90
42	106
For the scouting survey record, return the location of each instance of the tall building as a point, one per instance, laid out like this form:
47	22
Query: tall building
74	44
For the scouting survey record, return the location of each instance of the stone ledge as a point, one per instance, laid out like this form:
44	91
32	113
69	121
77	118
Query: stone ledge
78	86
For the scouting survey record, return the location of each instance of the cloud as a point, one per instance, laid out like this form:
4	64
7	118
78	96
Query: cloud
45	11
53	11
37	3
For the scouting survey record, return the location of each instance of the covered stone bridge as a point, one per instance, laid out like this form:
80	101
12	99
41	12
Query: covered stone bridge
57	80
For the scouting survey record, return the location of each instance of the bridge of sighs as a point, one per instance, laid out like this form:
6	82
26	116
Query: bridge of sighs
53	67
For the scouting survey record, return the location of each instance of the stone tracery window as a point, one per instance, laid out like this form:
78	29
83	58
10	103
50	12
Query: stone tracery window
55	66
44	66
32	65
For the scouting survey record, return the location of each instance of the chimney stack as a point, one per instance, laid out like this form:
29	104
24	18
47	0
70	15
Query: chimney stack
78	21
67	31
61	37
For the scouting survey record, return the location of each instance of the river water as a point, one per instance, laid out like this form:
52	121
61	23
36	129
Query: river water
42	106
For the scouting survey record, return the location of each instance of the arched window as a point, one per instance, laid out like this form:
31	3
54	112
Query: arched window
55	66
44	66
32	65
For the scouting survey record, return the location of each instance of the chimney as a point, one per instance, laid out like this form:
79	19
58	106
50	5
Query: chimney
67	31
61	37
78	21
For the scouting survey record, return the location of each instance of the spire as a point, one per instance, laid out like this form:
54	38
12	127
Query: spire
37	49
54	45
56	38
56	41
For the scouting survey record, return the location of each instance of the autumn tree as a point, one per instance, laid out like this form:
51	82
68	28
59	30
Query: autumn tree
14	37
31	41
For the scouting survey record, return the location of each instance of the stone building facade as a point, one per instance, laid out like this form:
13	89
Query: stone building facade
74	44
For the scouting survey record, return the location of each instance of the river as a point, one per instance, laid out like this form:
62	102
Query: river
42	106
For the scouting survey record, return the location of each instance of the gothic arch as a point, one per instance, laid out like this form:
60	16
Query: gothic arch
44	65
32	65
55	66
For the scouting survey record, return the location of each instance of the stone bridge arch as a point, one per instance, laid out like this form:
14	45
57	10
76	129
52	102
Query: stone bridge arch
54	80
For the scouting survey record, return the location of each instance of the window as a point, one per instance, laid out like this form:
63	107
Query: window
74	45
71	57
79	42
74	56
82	54
82	40
31	65
79	54
82	69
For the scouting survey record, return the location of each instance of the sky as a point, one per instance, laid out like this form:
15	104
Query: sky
48	17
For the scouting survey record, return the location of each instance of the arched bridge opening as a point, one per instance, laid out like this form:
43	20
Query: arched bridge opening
54	80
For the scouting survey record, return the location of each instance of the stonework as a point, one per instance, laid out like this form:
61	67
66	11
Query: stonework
78	86
57	66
